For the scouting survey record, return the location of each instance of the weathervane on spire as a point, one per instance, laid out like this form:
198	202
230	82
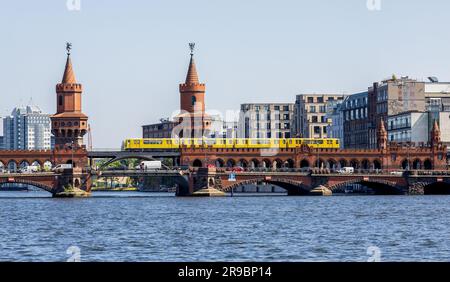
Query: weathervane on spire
68	47
192	47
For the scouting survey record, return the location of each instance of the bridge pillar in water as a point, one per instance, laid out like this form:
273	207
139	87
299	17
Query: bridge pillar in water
73	183
204	183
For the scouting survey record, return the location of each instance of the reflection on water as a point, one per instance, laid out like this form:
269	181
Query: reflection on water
133	226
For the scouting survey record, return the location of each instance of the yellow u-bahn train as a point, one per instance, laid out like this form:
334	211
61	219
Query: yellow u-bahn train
227	143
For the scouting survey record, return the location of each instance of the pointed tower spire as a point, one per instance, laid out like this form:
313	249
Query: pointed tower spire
69	75
192	76
69	123
435	134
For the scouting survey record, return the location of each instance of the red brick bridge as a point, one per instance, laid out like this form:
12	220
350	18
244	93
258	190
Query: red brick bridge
300	183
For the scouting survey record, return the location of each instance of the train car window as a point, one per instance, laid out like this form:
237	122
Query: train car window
153	142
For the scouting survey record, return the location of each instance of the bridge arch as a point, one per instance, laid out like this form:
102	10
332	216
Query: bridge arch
437	188
36	184
378	186
292	187
126	157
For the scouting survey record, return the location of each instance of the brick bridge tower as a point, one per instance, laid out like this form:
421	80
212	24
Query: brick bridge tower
69	124
193	121
382	136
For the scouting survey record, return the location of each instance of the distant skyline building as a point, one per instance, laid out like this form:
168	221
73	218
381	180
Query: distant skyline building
163	129
336	115
27	128
395	96
310	115
266	120
355	113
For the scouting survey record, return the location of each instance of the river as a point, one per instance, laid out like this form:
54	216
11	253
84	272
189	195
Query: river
133	226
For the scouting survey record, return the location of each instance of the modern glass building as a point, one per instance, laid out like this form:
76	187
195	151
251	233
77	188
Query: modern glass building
27	128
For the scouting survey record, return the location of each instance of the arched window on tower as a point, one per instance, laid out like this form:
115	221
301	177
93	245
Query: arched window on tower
193	100
60	100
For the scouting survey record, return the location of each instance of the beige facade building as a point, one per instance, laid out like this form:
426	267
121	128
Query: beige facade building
310	115
266	120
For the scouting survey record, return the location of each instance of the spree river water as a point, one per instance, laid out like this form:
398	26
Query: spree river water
131	226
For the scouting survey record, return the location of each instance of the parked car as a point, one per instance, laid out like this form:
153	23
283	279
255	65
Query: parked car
346	170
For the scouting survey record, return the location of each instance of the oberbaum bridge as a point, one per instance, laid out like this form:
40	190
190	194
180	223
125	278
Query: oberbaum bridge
205	172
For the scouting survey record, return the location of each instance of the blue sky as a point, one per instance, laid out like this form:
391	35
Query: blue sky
131	55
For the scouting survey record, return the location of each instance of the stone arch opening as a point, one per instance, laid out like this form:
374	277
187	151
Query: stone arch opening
24	164
220	163
197	163
304	164
254	163
37	164
231	163
427	164
47	166
243	163
354	163
331	164
343	163
405	164
365	164
267	163
278	163
417	164
437	188
12	166
289	163
320	163
376	164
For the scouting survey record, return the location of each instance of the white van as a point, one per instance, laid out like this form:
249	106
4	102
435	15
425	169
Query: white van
62	166
346	170
150	165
